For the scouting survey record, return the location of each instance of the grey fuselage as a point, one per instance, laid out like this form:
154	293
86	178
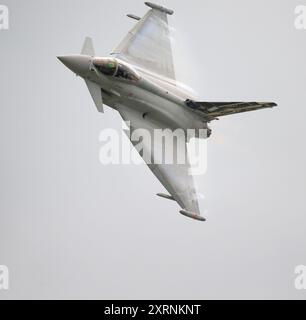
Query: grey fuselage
153	96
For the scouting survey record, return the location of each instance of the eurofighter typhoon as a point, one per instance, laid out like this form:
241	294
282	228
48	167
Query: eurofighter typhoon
138	80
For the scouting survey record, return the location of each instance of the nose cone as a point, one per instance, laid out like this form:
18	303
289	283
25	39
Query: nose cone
77	63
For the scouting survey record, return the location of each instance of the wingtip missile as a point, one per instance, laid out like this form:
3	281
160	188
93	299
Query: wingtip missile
158	7
192	215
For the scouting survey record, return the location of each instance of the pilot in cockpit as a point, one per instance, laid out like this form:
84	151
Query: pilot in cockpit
111	67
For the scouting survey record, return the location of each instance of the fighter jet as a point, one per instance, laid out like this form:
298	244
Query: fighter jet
138	80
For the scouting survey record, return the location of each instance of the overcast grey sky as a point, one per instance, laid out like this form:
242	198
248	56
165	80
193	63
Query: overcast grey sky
73	228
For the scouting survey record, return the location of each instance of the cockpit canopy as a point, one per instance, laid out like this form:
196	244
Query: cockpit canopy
112	67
